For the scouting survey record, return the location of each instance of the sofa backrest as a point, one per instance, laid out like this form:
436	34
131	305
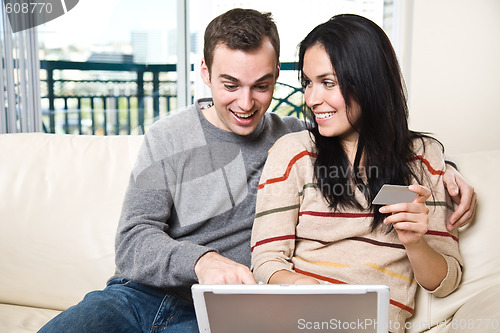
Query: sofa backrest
61	198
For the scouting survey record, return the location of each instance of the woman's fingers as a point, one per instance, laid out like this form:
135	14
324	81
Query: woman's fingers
410	219
423	193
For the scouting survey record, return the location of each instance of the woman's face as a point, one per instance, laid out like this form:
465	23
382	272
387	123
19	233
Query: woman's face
322	94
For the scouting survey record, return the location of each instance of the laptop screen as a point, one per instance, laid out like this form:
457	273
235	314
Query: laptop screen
294	308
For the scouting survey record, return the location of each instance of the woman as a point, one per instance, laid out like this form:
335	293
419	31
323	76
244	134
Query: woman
314	218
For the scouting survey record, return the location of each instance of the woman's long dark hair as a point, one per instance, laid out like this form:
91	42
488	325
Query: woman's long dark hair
368	73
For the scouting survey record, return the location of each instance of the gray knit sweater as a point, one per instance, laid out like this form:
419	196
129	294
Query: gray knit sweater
192	190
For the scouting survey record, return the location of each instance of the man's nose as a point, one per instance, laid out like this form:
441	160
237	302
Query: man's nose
246	101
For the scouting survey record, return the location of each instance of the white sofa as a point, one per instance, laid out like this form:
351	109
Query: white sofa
60	200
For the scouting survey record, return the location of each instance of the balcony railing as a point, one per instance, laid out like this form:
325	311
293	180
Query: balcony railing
123	98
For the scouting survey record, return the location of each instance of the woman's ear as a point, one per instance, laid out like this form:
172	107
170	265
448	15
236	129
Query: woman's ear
205	72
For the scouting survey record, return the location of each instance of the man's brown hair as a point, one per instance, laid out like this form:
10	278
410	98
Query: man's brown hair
240	29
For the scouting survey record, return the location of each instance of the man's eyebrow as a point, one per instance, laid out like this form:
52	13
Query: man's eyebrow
235	80
229	78
266	77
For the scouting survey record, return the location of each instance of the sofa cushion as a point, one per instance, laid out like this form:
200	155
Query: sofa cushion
61	201
23	319
481	314
479	245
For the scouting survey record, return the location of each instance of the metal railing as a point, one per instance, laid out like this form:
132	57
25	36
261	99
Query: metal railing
122	98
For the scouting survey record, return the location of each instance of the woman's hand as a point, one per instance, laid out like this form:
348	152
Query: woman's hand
410	219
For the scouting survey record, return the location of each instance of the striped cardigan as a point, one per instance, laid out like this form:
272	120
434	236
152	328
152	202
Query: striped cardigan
294	229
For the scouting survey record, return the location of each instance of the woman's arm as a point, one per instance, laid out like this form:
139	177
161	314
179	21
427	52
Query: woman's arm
410	220
421	225
276	214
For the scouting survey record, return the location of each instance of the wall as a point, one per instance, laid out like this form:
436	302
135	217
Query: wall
452	70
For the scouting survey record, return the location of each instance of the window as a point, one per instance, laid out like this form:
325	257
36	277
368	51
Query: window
114	67
19	81
109	67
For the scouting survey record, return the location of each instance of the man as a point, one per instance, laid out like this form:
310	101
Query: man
189	208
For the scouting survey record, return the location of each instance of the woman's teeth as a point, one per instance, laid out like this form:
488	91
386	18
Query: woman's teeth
324	115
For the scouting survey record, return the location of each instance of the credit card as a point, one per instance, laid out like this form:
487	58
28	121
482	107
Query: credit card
392	194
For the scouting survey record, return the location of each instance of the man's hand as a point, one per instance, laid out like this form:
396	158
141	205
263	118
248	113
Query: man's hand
463	195
212	268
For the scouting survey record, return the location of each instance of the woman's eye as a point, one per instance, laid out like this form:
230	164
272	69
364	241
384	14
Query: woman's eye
329	84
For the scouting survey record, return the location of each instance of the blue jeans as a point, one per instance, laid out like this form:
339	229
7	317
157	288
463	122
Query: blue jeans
125	306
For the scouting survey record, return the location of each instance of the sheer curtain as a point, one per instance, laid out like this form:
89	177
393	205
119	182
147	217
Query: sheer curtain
20	108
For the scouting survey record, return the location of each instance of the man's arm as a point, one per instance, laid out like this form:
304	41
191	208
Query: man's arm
463	195
145	252
153	245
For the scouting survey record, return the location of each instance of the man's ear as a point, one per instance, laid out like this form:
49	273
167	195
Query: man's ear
205	73
278	71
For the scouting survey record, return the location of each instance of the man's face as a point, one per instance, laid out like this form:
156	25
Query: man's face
242	85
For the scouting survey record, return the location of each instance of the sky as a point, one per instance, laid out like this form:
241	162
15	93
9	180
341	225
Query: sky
98	21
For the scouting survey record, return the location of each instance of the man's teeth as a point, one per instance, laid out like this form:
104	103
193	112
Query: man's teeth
324	115
244	115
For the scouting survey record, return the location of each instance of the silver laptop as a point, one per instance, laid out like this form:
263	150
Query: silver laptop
291	308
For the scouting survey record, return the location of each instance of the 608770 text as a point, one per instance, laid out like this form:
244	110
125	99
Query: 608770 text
28	8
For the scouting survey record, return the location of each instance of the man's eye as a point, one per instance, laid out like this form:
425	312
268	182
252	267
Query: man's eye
263	87
230	86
